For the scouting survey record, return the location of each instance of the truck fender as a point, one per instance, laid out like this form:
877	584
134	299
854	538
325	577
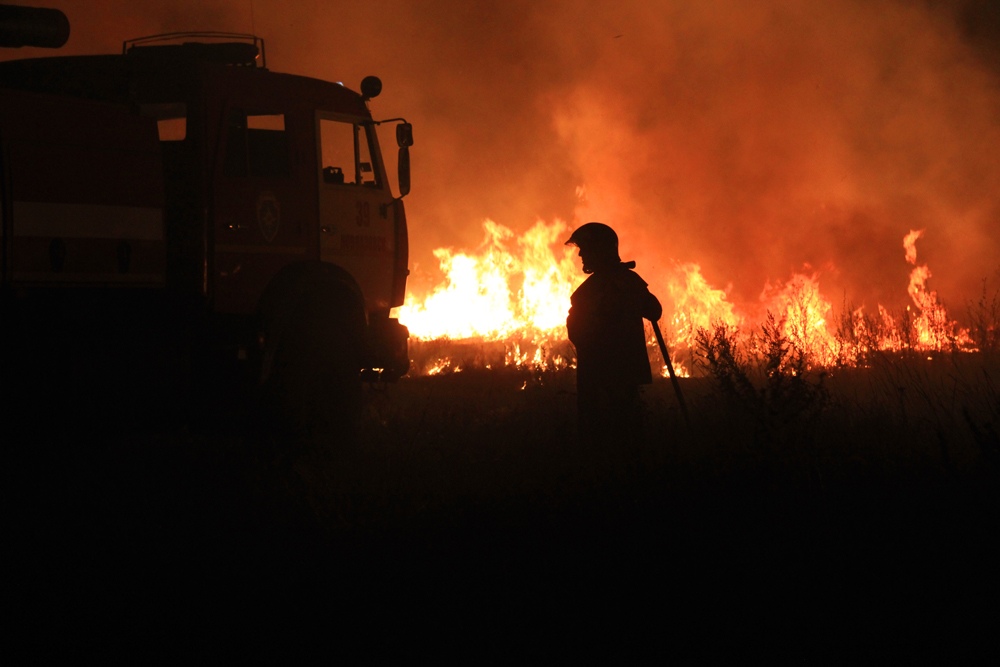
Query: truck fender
311	290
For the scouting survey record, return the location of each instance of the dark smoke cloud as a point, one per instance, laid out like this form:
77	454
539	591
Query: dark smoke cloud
756	139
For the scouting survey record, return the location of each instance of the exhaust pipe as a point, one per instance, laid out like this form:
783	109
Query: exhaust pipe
32	26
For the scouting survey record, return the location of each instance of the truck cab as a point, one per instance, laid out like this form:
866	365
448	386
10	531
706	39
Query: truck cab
252	207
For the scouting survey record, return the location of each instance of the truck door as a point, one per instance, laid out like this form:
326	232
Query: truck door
262	206
357	218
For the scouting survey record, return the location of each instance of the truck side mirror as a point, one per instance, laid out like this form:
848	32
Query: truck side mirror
404	138
404	170
404	135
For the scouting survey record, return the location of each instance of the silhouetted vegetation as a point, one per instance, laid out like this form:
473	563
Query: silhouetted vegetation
769	377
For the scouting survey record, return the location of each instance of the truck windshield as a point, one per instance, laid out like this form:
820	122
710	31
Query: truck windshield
346	153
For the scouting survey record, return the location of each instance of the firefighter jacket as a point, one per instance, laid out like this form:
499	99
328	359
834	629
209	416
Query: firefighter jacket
605	324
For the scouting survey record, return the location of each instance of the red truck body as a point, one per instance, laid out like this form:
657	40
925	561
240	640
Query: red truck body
243	212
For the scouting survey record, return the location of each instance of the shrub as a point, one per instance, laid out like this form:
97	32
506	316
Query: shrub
766	375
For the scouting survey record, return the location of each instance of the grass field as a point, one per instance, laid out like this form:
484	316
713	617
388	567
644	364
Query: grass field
465	522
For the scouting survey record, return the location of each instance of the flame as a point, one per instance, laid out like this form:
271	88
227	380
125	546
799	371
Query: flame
497	292
514	291
697	305
934	331
506	304
803	316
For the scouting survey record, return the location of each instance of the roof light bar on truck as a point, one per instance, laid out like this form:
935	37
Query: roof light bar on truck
230	48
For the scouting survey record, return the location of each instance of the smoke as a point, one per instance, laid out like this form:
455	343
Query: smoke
756	139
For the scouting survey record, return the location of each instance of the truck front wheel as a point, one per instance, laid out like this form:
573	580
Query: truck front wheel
313	352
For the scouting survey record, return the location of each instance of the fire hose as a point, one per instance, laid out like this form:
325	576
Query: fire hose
670	370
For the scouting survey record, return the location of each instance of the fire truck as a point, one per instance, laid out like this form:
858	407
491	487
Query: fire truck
182	208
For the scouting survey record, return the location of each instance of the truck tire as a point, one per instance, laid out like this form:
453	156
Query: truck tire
314	329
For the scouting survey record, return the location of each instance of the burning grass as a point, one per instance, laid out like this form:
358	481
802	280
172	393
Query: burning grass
506	304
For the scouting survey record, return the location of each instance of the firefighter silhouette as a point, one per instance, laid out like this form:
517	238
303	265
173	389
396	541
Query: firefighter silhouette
605	325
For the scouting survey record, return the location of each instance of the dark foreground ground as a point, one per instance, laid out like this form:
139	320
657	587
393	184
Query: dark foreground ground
465	523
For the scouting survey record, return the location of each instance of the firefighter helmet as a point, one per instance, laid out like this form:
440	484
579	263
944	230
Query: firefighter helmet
594	235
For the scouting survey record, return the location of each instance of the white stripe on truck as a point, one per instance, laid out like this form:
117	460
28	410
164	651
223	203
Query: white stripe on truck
87	221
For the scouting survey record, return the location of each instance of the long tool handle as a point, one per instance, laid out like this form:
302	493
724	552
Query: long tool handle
670	369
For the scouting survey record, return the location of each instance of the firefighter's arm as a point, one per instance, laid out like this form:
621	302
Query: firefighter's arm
643	300
651	308
640	300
